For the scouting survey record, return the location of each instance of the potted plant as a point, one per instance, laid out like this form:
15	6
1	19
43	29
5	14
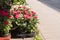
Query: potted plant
5	21
5	24
25	20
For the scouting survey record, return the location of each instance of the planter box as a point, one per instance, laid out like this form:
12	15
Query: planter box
6	37
23	35
17	33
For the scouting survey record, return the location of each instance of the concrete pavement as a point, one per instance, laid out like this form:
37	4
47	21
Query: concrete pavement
49	20
22	39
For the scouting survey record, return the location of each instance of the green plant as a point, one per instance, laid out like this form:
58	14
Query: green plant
24	18
5	4
5	21
38	36
21	2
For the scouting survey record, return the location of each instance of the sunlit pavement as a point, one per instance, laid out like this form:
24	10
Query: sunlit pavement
22	39
49	20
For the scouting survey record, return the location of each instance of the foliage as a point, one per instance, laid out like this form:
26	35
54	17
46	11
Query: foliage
24	18
38	36
5	17
5	22
5	4
21	2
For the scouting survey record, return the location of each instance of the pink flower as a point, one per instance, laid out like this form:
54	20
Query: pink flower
33	12
16	12
19	7
24	7
25	12
6	22
27	16
30	15
17	16
35	17
10	16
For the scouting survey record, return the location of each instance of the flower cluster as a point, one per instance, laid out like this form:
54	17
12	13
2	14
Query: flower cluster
24	17
5	17
24	12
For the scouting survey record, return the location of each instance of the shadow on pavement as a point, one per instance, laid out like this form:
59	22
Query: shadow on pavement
55	4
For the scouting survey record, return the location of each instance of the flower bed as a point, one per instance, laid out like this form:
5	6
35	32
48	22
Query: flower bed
25	21
24	18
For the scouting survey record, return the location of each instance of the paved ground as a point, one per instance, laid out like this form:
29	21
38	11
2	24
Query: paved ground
49	19
23	39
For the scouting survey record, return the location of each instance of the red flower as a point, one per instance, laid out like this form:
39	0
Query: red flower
4	13
17	16
6	22
35	17
10	16
1	11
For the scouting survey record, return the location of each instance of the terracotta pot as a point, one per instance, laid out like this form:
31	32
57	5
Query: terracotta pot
6	37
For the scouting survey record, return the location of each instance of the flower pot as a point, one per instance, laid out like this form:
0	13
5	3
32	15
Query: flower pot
20	34
8	37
